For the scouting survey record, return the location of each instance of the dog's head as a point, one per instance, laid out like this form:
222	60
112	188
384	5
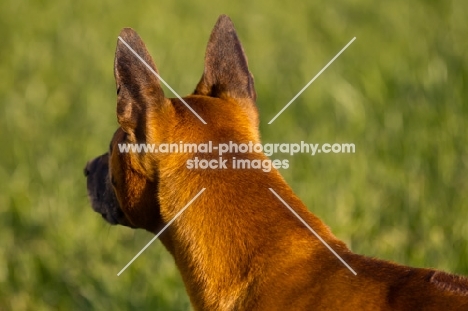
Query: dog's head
123	186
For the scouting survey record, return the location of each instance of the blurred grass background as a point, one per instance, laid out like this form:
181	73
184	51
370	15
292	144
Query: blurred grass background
399	93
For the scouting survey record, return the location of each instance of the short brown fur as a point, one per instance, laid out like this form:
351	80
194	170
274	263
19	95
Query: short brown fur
237	246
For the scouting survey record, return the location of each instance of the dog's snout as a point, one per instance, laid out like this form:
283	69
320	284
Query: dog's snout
96	166
86	169
90	167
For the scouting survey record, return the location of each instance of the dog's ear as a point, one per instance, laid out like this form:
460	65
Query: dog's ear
226	72
138	89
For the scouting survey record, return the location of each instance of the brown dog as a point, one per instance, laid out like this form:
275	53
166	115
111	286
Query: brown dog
237	246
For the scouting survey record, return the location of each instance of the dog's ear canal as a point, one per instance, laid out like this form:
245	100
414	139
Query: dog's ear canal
226	72
138	89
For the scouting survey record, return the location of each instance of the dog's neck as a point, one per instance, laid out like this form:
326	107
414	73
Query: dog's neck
226	235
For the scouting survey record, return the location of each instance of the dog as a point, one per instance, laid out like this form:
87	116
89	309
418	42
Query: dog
237	246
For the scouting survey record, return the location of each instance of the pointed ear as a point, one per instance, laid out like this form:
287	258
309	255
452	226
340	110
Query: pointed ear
138	88
226	72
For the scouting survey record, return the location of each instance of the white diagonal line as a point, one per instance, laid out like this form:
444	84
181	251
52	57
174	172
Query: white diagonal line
313	231
313	79
162	230
161	79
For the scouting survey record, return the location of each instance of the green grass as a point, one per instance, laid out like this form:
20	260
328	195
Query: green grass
399	93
